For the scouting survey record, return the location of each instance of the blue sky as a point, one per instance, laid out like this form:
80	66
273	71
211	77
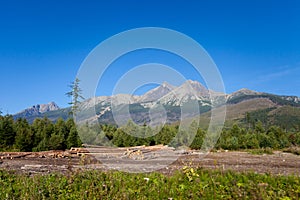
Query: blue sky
255	44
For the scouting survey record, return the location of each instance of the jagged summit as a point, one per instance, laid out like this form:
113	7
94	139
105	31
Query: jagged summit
167	92
194	87
189	90
157	93
48	107
38	109
168	85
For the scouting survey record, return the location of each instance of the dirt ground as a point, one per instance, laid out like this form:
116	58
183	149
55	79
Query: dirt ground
143	159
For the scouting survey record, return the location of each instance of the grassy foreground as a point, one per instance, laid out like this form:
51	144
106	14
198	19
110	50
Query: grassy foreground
188	183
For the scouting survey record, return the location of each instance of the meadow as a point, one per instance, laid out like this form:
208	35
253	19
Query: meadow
187	183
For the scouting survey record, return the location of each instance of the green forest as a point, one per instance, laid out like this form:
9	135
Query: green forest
43	134
234	138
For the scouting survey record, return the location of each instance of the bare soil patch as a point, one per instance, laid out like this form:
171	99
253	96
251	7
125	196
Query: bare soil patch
80	159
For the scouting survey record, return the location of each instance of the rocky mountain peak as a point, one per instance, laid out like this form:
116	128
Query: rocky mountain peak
38	109
195	88
48	107
167	85
189	90
157	93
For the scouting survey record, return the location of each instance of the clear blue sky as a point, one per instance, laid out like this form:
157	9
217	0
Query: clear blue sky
255	44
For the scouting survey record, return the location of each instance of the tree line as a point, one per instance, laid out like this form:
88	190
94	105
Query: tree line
233	138
41	135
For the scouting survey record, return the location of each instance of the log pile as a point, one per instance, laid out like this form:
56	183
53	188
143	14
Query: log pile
143	152
135	153
43	154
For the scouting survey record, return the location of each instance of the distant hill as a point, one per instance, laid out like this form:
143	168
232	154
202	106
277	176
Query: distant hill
270	109
166	101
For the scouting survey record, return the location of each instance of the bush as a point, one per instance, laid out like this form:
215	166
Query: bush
267	150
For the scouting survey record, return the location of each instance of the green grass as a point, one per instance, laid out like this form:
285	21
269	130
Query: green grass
187	184
261	151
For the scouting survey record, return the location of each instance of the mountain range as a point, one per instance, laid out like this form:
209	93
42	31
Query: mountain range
165	103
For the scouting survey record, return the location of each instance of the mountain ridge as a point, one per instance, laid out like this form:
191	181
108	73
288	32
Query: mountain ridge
171	98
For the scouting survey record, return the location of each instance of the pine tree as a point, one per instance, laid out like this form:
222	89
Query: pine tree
24	135
62	131
56	142
73	138
76	94
7	132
